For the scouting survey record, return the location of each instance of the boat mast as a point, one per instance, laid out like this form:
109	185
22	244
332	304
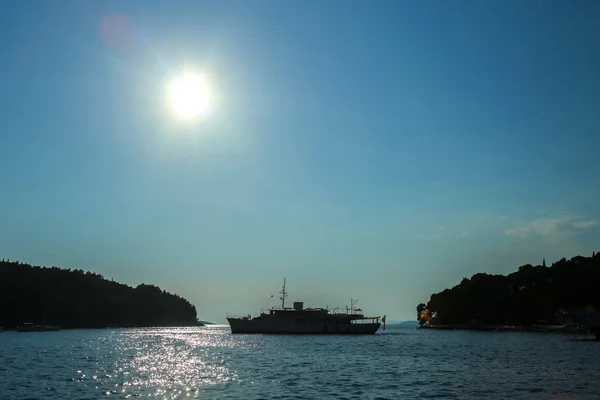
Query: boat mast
283	294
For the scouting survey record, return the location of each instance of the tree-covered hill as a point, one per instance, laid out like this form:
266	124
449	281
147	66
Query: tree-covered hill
531	295
78	299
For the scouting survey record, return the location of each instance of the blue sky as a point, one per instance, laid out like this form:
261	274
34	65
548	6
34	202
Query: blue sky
377	150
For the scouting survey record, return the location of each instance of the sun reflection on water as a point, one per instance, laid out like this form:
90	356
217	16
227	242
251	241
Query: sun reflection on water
160	363
213	363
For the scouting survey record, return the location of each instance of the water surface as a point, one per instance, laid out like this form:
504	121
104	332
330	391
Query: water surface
211	363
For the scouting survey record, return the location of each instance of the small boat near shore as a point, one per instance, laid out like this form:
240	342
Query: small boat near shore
300	320
590	321
29	327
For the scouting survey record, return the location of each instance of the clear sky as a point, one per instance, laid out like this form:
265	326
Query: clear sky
381	150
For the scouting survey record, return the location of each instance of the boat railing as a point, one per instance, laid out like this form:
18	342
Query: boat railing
247	316
347	311
366	320
267	311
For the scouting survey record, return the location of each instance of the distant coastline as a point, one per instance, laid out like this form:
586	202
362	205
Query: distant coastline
404	324
74	299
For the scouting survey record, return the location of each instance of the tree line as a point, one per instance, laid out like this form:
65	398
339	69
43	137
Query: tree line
78	299
531	295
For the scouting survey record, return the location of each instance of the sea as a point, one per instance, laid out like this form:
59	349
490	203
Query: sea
211	363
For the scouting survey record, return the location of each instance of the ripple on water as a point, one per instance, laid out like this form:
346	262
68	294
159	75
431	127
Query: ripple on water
212	363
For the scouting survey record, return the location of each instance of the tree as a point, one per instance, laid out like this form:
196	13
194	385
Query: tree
422	314
78	299
531	295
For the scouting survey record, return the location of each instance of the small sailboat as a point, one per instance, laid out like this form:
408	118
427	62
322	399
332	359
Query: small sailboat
29	327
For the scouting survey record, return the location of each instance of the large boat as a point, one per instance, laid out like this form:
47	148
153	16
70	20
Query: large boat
300	320
29	327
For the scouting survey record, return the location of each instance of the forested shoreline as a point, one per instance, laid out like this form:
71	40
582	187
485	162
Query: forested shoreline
78	299
533	295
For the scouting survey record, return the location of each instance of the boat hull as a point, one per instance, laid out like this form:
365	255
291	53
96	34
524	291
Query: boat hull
241	325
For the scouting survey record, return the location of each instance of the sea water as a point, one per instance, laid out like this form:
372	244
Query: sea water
211	363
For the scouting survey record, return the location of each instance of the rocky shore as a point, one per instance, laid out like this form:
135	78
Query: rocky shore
499	328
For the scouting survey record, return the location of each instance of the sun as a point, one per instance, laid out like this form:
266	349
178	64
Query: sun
188	97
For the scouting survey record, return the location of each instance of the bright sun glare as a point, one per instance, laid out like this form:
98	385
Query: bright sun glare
189	97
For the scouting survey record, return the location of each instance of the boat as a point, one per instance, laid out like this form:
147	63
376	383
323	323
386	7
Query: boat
590	321
300	320
29	327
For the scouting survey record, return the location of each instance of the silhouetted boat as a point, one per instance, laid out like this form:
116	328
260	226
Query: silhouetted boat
590	321
298	320
29	327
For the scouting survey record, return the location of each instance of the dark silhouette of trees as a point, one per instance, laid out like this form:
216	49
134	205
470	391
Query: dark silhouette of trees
532	295
78	299
422	314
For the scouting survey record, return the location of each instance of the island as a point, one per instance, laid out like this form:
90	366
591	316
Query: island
537	298
74	299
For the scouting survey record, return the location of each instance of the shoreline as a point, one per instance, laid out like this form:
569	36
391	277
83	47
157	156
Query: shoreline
14	329
503	328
